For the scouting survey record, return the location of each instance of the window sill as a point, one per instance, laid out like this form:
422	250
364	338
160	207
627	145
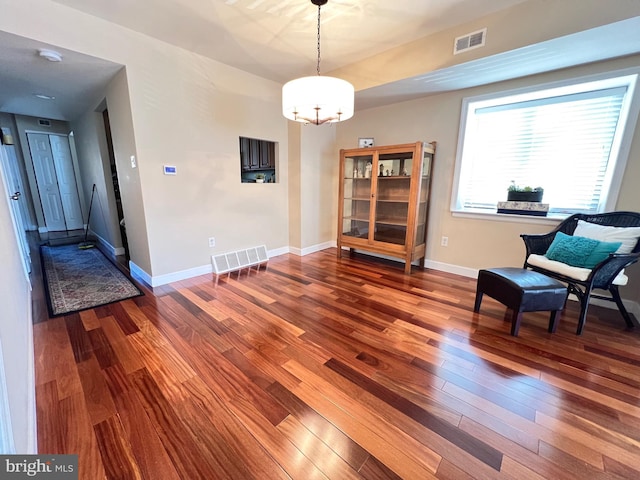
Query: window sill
551	219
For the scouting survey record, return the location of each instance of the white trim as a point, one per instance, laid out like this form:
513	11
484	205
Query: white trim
312	249
449	268
278	251
136	271
508	217
181	275
632	307
7	445
111	250
32	417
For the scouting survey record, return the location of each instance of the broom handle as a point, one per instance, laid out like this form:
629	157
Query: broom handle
86	231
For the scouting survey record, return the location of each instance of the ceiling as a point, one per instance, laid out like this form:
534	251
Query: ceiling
276	39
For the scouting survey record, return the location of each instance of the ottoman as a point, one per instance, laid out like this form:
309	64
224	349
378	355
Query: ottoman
522	290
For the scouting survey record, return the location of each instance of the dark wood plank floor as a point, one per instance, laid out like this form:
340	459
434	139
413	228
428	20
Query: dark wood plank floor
322	368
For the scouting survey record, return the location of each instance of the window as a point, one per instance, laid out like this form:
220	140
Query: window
257	160
571	140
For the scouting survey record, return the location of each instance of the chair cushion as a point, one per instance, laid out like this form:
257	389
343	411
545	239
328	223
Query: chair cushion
576	273
579	251
627	235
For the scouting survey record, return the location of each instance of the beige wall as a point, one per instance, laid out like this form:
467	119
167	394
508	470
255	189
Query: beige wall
295	183
187	111
319	191
93	159
522	25
475	243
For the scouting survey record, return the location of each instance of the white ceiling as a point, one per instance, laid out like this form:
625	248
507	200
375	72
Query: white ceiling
276	39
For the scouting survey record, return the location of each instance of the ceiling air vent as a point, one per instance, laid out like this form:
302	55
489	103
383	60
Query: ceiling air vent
469	41
44	123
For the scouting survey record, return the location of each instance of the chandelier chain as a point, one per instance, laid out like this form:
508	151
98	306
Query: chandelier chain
318	65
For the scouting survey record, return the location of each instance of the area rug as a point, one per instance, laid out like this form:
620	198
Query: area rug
76	279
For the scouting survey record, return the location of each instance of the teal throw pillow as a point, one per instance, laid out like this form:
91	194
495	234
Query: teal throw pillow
579	251
601	252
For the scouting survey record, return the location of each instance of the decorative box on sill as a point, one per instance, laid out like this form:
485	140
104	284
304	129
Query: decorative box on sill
524	208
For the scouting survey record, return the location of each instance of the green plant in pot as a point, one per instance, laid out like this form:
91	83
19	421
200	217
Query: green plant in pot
516	193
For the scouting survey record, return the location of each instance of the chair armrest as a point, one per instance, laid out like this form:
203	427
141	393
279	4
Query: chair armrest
538	244
606	271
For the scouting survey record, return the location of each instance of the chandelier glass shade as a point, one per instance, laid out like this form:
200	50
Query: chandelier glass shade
318	99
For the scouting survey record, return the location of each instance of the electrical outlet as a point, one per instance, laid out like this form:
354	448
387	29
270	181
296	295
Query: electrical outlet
444	242
212	241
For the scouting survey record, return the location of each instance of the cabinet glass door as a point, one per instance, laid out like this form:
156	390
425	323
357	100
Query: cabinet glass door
392	197
357	195
421	225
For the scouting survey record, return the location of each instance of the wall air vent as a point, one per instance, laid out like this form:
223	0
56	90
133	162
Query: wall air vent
232	261
44	123
469	41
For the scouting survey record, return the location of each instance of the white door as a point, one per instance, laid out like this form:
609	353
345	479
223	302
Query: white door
7	185
47	182
57	188
66	181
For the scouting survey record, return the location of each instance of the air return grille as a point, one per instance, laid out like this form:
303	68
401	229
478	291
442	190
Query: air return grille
469	41
229	262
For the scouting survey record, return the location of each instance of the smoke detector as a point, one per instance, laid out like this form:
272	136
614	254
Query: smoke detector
50	55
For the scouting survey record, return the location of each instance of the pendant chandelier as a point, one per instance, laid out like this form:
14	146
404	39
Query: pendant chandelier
317	99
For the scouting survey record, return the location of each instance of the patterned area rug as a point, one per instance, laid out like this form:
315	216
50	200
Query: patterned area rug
77	279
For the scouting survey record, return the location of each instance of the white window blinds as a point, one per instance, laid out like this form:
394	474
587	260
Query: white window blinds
564	143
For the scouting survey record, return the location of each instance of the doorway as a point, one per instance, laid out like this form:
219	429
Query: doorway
56	181
116	185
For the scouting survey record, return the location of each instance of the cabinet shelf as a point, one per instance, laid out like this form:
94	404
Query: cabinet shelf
397	204
403	199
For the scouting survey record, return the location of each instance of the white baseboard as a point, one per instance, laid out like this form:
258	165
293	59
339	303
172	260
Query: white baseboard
156	281
278	251
632	307
110	249
312	249
449	268
139	273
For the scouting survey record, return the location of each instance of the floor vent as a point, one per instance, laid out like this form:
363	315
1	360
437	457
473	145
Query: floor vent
232	261
469	41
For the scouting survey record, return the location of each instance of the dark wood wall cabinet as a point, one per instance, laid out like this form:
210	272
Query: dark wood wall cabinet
257	154
384	200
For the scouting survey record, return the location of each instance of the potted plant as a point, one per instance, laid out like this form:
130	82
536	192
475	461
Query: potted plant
516	193
259	177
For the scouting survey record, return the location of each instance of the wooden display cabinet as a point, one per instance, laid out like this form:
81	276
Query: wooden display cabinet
384	200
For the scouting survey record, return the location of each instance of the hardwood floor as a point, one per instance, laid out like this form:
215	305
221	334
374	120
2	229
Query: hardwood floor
322	368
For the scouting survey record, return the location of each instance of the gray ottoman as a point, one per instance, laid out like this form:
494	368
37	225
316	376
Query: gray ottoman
522	290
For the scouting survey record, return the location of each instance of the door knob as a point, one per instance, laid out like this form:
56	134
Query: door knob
17	194
15	197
